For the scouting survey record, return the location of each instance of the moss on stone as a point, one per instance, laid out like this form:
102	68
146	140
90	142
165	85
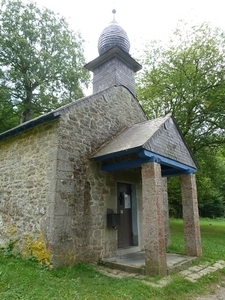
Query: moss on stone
10	231
37	248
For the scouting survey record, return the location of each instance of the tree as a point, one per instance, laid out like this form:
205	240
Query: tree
210	184
188	79
8	117
41	60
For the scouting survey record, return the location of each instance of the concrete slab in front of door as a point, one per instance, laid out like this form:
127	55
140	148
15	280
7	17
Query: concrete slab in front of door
127	250
135	262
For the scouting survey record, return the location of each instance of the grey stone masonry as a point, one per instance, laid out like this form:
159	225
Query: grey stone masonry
153	220
191	274
190	215
53	197
77	229
27	188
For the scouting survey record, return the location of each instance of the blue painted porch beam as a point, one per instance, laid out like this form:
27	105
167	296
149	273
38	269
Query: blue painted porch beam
174	172
176	168
144	154
124	165
138	162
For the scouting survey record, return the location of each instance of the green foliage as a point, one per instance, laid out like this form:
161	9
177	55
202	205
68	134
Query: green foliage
175	198
8	118
210	186
210	183
8	250
41	61
186	78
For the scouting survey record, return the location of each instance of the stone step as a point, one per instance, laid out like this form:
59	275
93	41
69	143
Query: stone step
135	262
124	267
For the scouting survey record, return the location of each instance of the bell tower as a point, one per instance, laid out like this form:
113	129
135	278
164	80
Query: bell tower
114	65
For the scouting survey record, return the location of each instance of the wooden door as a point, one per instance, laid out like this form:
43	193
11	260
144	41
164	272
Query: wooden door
125	210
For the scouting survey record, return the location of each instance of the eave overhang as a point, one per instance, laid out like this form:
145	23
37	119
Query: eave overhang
114	52
29	124
169	167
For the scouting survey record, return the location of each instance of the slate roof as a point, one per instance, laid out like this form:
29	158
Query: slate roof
132	137
160	136
56	113
113	35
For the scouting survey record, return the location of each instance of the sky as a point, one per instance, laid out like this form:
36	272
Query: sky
143	20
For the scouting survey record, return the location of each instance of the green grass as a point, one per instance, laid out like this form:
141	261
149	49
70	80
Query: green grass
212	237
24	279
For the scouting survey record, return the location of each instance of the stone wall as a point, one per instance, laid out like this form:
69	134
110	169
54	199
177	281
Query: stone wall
83	191
27	184
53	196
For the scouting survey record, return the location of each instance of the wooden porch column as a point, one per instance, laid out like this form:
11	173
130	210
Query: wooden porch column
153	220
190	215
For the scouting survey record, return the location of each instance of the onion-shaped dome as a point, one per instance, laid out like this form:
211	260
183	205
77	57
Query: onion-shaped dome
113	35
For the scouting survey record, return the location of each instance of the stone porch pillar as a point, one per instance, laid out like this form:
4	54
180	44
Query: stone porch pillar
190	215
153	220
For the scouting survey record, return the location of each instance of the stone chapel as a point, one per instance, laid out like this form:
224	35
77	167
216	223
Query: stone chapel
88	180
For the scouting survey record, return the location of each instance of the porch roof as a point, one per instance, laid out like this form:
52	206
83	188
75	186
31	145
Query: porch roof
158	140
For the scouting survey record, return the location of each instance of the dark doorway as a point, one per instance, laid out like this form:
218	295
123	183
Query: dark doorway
124	205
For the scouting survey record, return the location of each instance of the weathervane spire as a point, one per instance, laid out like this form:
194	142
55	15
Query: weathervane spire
114	12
